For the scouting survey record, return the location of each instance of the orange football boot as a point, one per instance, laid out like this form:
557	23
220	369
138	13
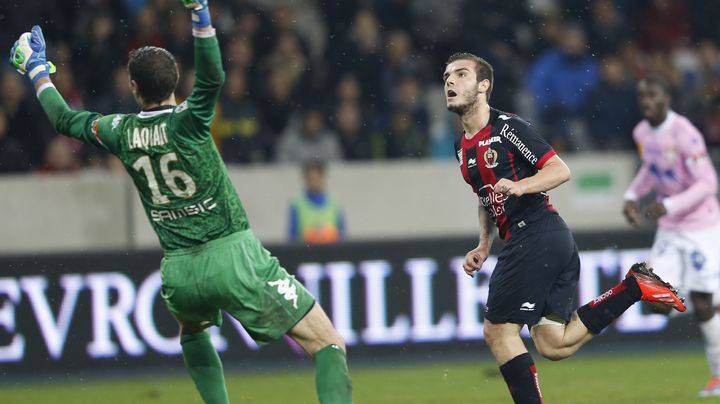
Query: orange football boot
712	388
655	289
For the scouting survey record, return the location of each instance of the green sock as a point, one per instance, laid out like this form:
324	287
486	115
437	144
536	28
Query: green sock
205	368
332	379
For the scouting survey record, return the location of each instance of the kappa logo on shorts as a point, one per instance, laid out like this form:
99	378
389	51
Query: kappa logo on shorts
285	288
527	306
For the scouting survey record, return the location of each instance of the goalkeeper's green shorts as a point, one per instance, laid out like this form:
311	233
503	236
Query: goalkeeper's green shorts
237	275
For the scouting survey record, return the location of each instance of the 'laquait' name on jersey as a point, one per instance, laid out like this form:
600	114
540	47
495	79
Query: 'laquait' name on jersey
142	138
153	136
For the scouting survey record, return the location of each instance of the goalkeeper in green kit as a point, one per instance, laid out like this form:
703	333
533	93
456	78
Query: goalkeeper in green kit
212	260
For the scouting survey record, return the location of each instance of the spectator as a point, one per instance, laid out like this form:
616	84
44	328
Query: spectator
60	157
240	54
97	54
278	102
315	215
408	134
302	19
410	97
251	24
401	60
702	16
185	83
396	14
612	109
146	30
352	130
348	89
664	24
710	120
288	55
403	139
559	81
308	139
608	28
178	42
119	99
32	134
708	72
361	54
489	20
238	124
12	157
65	84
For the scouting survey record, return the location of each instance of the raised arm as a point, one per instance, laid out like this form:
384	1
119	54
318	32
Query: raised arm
209	73
28	57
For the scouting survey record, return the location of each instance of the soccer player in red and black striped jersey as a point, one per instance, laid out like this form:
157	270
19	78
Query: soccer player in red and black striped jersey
511	167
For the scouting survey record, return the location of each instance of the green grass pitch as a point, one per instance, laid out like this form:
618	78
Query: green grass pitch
643	378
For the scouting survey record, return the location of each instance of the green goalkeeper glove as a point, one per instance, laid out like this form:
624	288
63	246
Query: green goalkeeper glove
28	55
200	12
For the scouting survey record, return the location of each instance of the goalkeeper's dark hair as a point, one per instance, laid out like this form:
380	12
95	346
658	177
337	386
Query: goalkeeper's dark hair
660	81
155	72
483	69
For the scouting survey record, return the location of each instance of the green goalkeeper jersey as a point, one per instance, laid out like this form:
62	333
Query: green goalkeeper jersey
170	155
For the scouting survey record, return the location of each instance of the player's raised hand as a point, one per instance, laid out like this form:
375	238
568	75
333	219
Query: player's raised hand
509	188
655	210
475	258
28	55
200	13
631	210
194	4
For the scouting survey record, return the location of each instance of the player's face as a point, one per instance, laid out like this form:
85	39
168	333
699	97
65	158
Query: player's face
652	100
462	90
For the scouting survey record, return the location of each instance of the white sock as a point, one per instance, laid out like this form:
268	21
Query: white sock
711	333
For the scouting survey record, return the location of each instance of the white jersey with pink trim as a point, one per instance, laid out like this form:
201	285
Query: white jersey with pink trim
675	165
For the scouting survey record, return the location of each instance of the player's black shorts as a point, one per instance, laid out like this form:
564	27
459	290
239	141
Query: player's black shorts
536	274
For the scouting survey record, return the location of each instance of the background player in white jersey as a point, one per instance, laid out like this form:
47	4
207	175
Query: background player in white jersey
686	252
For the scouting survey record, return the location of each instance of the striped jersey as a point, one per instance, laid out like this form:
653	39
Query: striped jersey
508	147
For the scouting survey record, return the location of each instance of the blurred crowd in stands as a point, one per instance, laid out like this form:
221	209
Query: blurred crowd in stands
361	79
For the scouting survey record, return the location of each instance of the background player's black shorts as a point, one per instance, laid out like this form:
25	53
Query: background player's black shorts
536	274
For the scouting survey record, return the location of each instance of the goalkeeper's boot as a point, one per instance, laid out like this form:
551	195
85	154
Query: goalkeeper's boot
654	289
712	389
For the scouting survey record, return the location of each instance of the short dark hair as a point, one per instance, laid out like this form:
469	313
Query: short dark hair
660	81
483	69
155	72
